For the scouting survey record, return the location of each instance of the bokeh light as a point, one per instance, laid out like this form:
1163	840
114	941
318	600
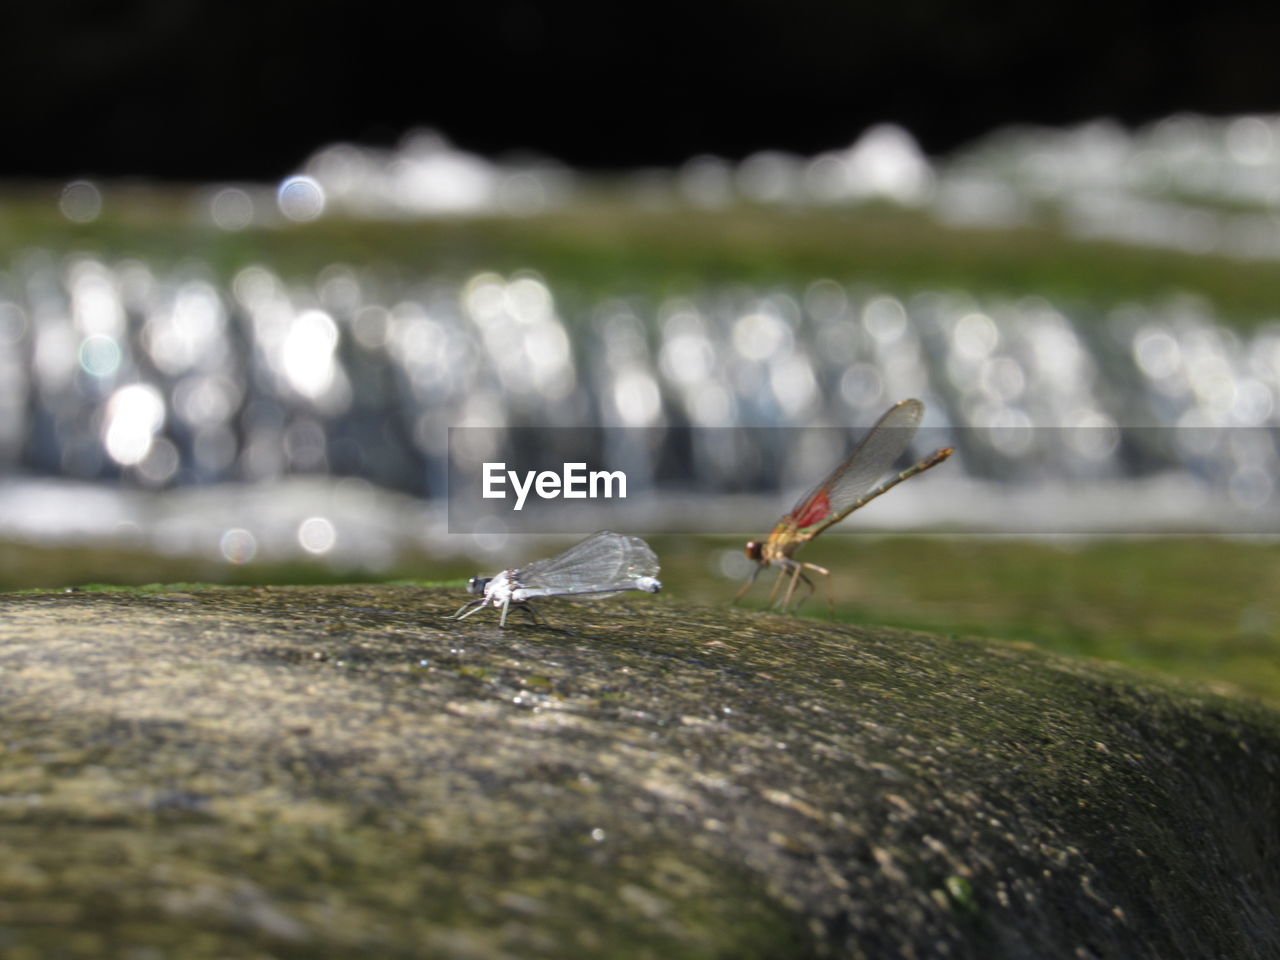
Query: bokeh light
301	198
169	375
134	415
238	546
317	535
80	201
232	209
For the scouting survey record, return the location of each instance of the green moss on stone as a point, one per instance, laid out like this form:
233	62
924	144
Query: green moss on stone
340	771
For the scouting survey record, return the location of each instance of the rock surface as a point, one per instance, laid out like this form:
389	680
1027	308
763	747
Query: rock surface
317	772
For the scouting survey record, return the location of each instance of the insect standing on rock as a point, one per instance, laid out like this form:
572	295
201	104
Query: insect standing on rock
600	566
844	490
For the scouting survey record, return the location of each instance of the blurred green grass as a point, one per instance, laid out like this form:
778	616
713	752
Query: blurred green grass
1204	609
607	246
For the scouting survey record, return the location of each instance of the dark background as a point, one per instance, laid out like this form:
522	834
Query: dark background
184	89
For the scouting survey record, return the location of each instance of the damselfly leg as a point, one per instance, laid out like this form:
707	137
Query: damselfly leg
479	603
524	605
792	572
796	569
799	575
473	606
742	591
777	582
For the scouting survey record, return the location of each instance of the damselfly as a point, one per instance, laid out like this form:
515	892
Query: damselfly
603	564
844	490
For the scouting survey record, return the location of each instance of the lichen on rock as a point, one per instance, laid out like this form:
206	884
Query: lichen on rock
340	771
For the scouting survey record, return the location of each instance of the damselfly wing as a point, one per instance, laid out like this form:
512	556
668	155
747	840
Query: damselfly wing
604	564
851	485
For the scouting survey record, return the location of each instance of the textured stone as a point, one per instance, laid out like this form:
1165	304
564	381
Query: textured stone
313	772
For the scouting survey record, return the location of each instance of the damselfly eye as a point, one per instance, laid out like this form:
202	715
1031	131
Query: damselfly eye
476	585
754	548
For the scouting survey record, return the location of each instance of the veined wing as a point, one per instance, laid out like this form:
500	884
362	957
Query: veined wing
599	566
836	495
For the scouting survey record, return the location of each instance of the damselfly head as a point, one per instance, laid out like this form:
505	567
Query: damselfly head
476	585
648	584
755	550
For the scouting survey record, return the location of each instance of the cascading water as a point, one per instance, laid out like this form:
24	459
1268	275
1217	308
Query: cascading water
250	414
134	379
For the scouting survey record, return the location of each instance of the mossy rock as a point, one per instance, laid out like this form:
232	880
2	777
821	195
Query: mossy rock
322	772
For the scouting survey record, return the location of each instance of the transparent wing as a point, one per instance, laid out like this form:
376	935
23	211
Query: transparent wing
859	471
601	565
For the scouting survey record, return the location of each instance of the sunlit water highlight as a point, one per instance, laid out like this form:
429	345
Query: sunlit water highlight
250	402
260	418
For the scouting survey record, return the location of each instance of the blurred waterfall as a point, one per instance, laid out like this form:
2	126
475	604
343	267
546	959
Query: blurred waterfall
258	415
118	374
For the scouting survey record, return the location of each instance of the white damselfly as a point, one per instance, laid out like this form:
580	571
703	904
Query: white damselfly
602	565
